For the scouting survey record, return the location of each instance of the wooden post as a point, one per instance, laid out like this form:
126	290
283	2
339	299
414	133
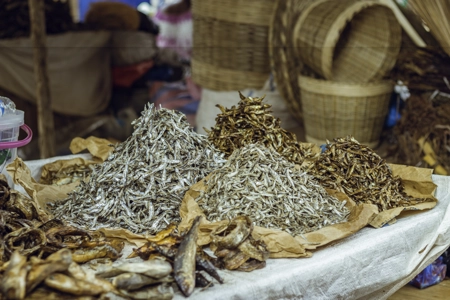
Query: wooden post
46	128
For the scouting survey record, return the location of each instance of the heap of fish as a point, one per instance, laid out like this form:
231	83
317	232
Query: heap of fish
260	183
141	185
359	172
150	279
56	277
26	230
182	251
252	122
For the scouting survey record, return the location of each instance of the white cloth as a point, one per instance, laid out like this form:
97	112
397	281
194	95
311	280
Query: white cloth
371	264
78	69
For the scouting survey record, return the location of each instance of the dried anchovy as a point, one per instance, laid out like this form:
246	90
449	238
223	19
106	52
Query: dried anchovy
359	172
258	182
142	183
251	122
68	175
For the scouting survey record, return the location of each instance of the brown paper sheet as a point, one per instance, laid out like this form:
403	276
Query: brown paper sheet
57	166
40	193
279	243
418	183
98	147
132	238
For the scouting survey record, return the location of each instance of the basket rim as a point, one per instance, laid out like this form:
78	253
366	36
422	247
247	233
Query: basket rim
333	35
327	87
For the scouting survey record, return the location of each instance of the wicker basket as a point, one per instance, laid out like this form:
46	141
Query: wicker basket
333	109
230	43
347	40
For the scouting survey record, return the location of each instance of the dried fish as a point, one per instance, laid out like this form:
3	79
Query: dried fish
85	254
70	285
260	183
141	185
135	281
67	175
250	123
201	281
56	262
161	292
184	263
356	170
243	254
13	285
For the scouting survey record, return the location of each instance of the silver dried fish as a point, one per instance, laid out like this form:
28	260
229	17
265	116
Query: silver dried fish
141	185
258	182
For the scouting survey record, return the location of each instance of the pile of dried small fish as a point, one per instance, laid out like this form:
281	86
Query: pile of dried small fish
141	185
23	230
428	119
356	170
250	123
235	247
40	279
150	279
182	251
67	175
258	182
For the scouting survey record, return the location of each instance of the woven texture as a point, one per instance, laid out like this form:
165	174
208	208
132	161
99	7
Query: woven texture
333	109
348	40
285	63
231	43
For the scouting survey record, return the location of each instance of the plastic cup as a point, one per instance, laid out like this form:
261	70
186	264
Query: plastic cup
10	125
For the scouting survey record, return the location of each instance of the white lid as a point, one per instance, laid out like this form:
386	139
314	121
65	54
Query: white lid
8	121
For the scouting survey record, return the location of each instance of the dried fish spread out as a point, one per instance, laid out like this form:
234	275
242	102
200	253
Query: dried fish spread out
258	182
250	123
359	172
141	185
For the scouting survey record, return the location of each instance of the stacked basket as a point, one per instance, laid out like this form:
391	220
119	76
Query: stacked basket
351	45
230	43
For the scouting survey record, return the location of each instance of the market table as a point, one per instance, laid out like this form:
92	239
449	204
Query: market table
371	264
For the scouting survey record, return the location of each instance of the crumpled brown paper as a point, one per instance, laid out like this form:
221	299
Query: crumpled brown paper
49	170
40	193
418	183
279	243
44	193
98	147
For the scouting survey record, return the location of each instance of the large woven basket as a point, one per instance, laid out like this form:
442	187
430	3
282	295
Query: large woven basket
230	43
334	109
348	40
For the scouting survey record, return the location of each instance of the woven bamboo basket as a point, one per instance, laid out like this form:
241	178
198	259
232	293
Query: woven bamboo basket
230	43
334	109
347	40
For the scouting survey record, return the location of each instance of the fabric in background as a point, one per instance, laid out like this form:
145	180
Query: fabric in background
78	68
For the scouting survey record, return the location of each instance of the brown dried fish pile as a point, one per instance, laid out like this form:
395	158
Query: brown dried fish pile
356	170
260	183
250	123
56	277
141	185
24	231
